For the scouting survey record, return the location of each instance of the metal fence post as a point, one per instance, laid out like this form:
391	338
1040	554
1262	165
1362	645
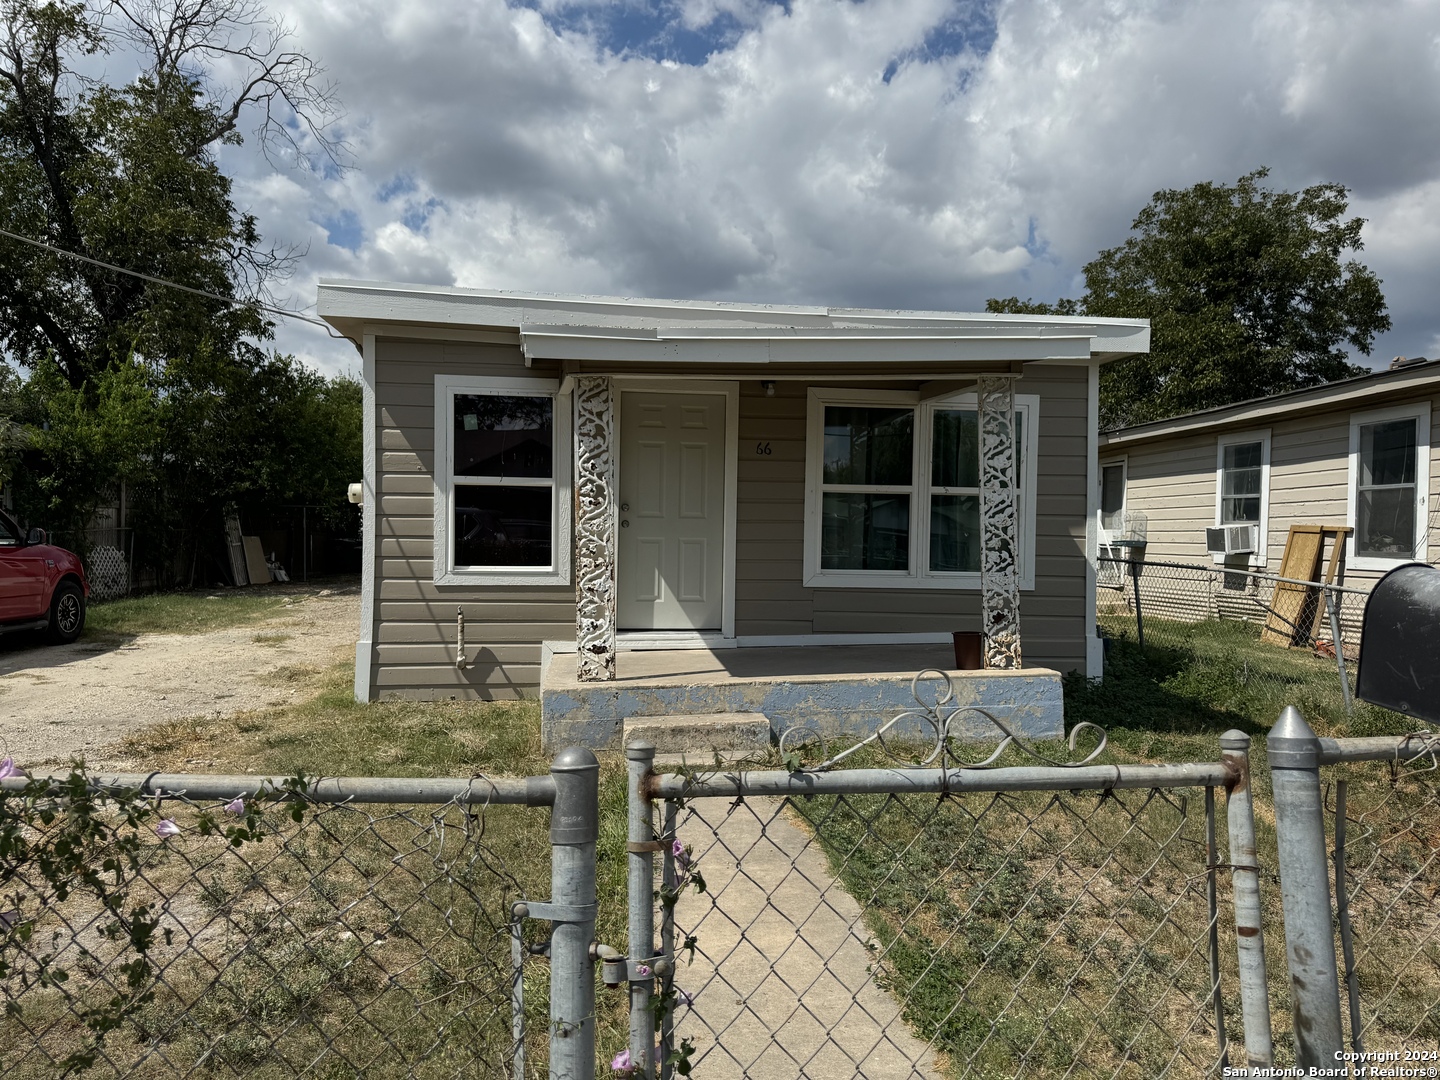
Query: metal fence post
1328	599
574	827
1294	753
1139	616
640	859
1245	889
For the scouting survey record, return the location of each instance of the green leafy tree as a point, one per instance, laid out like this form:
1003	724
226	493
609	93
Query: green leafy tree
127	175
127	379
1249	293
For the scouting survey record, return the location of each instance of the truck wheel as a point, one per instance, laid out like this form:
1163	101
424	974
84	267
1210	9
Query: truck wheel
67	613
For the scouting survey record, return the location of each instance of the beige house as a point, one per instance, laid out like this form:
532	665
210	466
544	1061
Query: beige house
1361	452
566	495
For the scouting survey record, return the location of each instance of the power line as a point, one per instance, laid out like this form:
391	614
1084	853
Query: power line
267	308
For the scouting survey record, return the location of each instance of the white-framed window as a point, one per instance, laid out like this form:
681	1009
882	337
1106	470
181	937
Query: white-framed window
1112	499
893	489
1389	486
502	481
1242	487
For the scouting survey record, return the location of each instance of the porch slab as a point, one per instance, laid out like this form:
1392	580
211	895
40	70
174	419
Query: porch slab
837	689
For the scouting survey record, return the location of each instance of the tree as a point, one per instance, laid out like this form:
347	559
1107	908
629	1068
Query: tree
1248	293
130	380
127	175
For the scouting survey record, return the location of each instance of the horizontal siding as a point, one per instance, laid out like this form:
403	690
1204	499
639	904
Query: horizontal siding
771	534
415	631
1173	482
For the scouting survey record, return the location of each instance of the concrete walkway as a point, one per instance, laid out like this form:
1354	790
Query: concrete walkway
781	974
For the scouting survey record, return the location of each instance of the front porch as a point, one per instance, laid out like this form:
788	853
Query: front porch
837	689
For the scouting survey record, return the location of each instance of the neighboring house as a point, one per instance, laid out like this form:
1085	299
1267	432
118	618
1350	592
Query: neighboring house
1359	452
668	475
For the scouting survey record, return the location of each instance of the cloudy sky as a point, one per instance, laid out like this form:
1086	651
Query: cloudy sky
891	153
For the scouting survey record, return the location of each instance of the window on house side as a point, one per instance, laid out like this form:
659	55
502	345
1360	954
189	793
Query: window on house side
1240	487
503	450
955	488
866	488
895	495
502	481
1385	490
1112	497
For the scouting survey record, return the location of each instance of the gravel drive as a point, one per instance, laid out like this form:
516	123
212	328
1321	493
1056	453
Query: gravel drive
59	701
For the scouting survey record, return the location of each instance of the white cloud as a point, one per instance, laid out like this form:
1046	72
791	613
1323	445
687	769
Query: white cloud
493	150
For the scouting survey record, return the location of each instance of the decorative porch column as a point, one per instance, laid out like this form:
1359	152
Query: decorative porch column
999	523
595	529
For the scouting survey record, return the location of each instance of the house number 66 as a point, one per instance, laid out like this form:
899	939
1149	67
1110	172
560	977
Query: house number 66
762	448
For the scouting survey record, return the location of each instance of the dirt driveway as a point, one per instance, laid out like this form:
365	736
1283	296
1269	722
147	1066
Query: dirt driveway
60	701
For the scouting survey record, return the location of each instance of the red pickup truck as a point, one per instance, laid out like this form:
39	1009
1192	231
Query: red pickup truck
42	587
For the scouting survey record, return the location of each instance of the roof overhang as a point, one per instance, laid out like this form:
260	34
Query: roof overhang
1376	387
628	330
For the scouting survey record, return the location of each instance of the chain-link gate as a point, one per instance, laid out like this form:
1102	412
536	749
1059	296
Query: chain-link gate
961	918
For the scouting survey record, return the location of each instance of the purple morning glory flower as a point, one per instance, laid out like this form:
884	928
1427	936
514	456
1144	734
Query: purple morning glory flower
236	806
166	829
621	1063
8	768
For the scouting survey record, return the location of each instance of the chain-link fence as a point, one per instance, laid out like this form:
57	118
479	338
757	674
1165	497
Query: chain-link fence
959	917
997	933
1385	840
1251	641
353	938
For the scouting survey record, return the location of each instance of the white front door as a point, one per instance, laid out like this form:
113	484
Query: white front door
672	511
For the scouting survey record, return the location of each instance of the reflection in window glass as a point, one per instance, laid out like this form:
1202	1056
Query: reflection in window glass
955	457
861	531
955	533
1385	495
955	488
502	526
504	436
1112	497
1240	484
868	446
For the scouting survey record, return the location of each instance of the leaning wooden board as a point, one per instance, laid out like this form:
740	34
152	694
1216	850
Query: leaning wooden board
255	563
1295	608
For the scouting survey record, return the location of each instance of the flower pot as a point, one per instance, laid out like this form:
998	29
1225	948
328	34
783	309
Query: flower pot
969	650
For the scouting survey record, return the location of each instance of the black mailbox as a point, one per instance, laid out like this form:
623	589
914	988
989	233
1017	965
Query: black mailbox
1400	643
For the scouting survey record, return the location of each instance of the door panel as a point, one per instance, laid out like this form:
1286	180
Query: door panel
672	517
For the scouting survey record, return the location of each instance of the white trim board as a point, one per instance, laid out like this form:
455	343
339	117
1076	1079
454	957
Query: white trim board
684	642
1094	644
365	645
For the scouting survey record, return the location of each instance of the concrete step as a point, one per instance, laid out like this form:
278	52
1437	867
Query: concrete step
701	733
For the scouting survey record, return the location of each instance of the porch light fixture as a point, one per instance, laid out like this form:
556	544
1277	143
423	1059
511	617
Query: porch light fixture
769	388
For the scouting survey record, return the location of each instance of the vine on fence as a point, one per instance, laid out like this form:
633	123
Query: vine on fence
73	838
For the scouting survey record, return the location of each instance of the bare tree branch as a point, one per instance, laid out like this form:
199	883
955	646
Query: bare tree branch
202	42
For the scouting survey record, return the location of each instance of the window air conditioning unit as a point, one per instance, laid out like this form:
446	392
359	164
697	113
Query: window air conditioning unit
1232	539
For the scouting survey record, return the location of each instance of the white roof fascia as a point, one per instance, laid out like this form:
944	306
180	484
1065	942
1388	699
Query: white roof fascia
1336	395
350	304
802	350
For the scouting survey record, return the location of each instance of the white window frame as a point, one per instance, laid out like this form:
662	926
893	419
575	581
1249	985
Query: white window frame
1259	557
1420	413
445	573
1105	536
919	576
